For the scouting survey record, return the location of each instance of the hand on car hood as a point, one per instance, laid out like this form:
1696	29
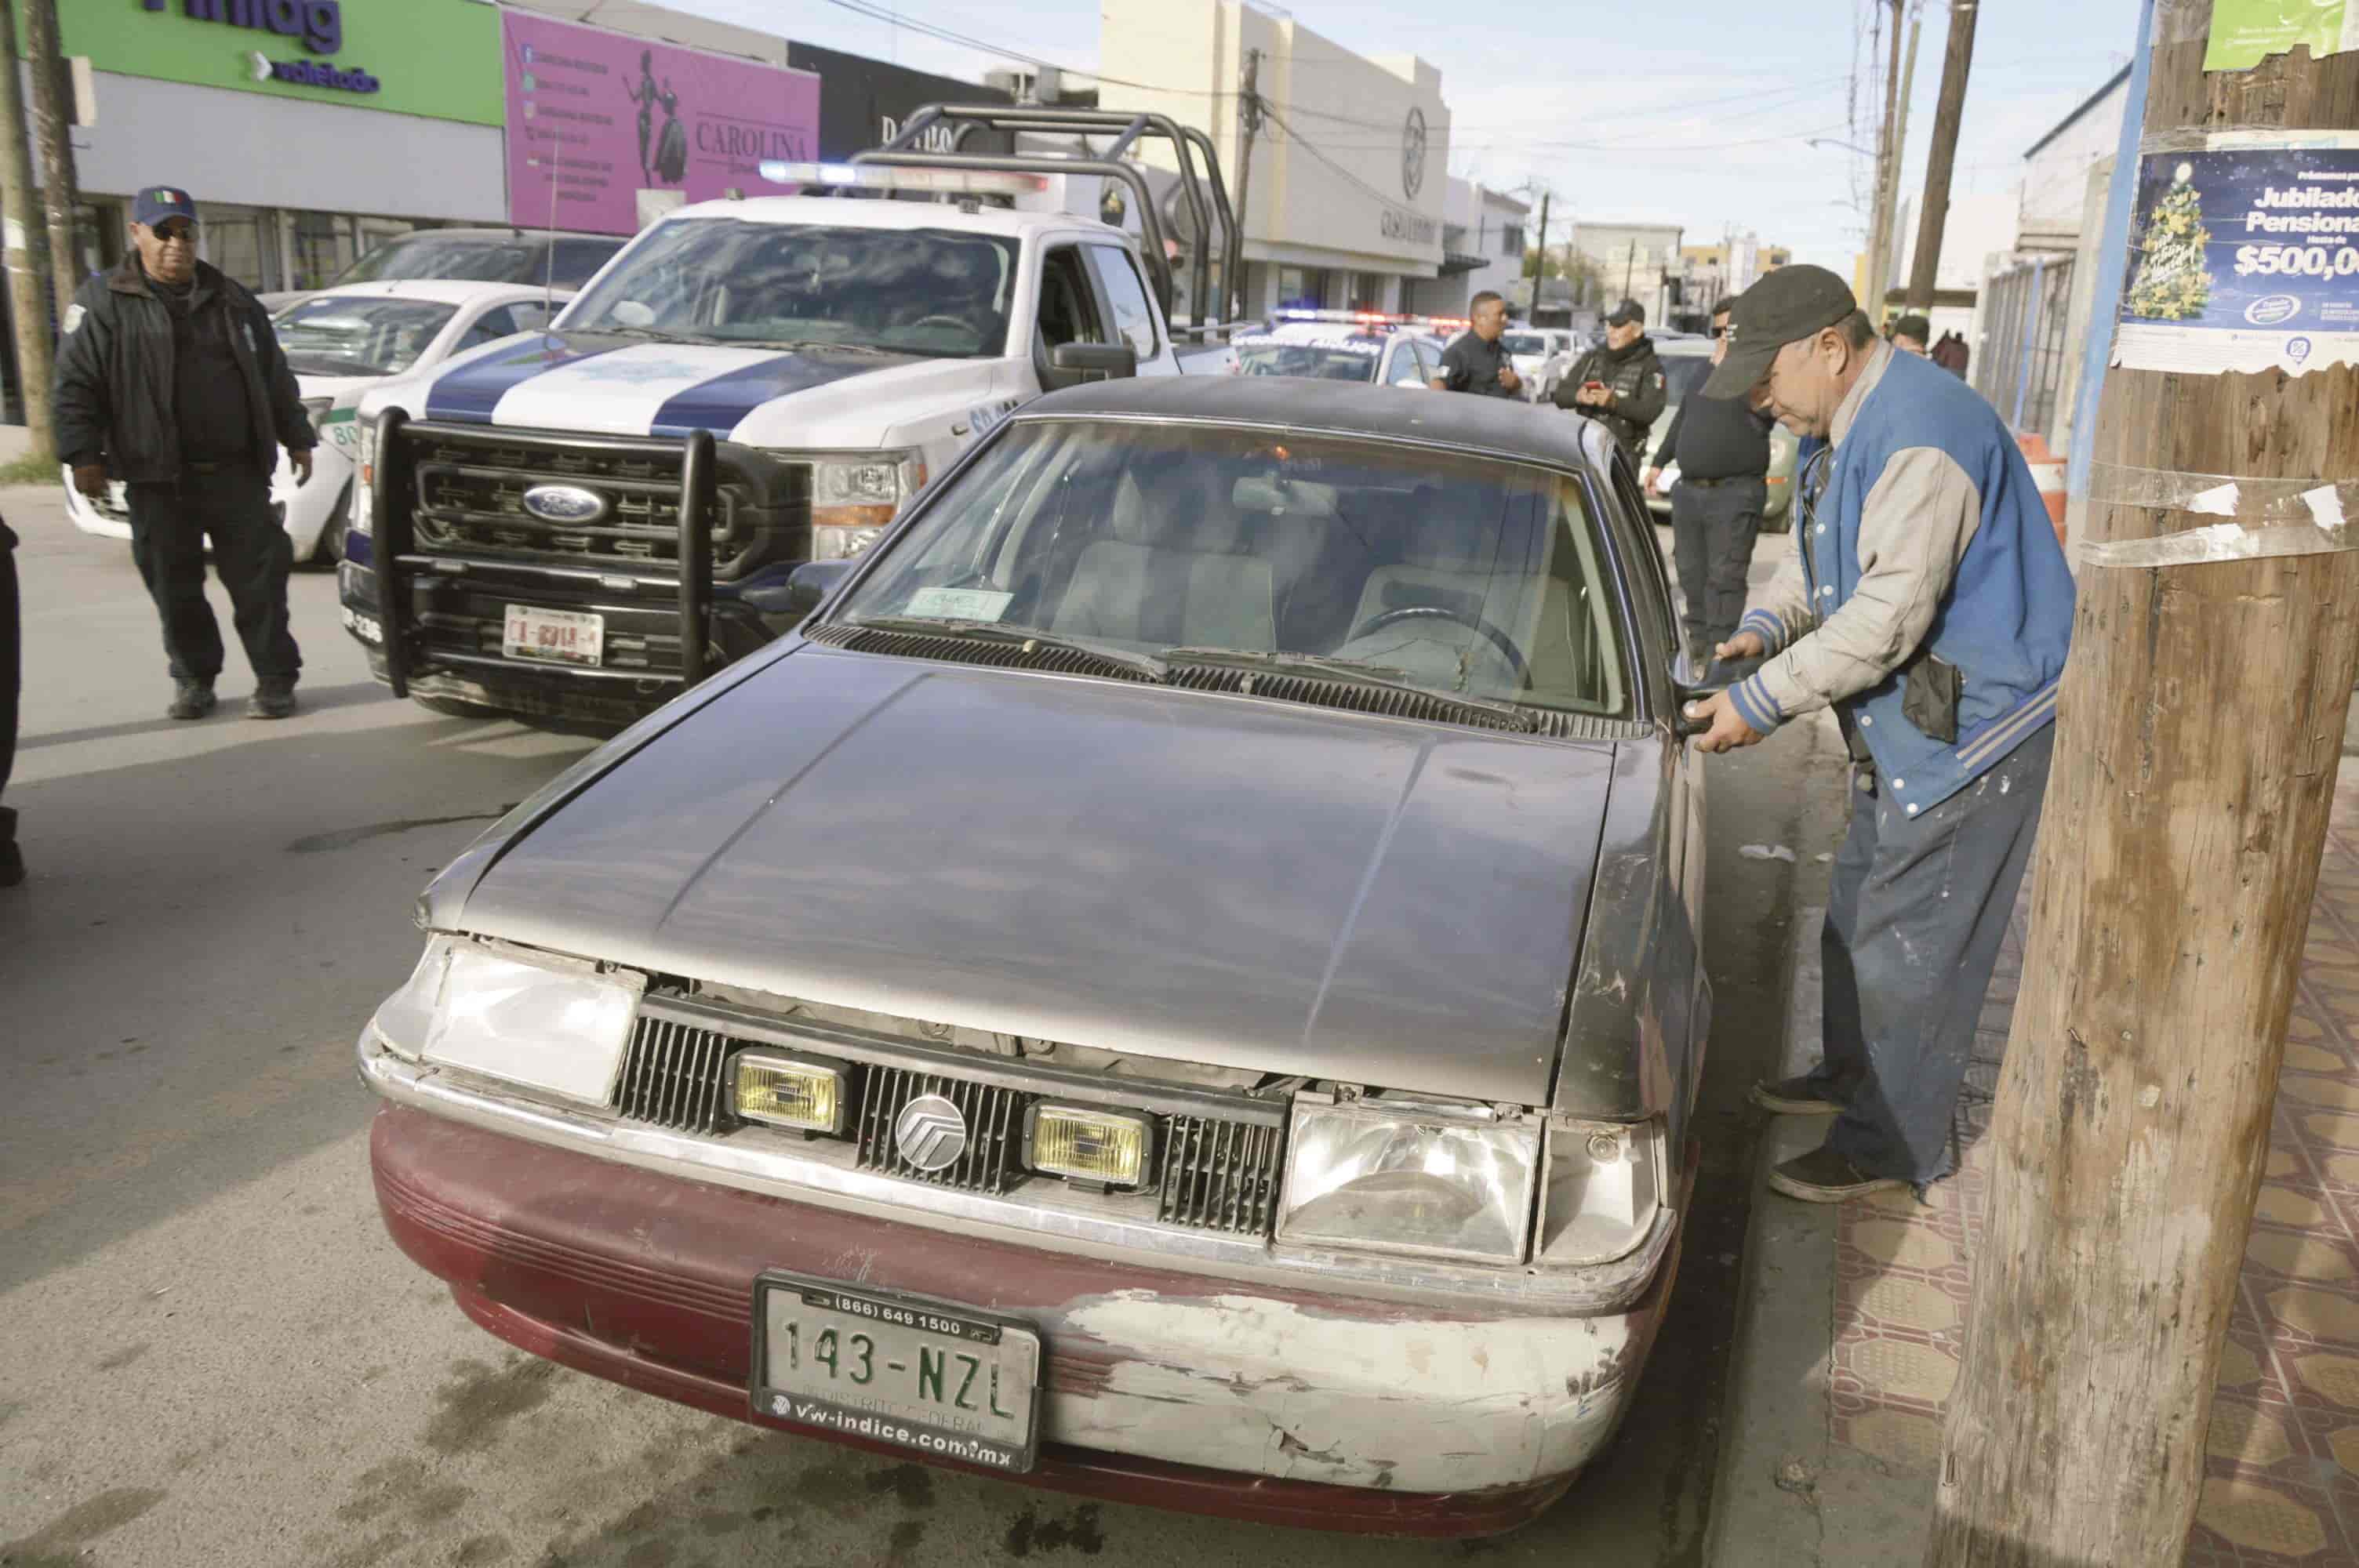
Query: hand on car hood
1269	887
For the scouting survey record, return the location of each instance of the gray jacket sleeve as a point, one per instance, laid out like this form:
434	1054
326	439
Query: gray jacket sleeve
81	405
1919	518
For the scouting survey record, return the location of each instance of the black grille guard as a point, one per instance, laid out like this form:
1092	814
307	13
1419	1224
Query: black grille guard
396	544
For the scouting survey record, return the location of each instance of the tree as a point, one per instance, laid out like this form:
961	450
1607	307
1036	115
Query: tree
1564	262
2171	284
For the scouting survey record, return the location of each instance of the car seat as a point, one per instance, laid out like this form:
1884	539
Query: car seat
1168	566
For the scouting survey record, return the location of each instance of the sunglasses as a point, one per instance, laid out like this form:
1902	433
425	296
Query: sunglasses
182	233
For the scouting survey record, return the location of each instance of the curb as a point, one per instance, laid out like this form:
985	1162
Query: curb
1766	1507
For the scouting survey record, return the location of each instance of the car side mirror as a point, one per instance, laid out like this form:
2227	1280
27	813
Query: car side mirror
1103	361
808	585
1683	692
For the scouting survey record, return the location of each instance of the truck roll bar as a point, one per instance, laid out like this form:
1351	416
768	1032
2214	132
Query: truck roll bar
696	498
389	525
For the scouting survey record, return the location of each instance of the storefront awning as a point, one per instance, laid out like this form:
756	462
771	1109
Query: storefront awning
1452	263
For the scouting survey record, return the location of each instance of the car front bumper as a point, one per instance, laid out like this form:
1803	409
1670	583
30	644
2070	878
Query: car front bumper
1161	1386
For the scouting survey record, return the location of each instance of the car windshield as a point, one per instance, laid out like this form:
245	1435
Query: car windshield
723	280
337	335
1320	362
1457	574
1524	344
1682	374
468	258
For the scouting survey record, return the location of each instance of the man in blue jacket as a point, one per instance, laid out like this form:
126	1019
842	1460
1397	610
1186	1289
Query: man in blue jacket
1929	606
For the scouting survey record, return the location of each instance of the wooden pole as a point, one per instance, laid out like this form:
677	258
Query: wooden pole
1942	159
1879	217
1883	286
2197	739
1249	113
52	128
28	300
1539	281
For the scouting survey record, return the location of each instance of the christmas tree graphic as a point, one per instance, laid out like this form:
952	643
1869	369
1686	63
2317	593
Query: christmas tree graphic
2171	284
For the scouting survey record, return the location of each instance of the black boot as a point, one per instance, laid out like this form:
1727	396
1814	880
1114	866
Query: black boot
272	699
190	699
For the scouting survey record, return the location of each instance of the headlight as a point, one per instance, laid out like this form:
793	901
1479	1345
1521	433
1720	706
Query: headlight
855	494
548	1023
363	519
1604	1184
1439	1179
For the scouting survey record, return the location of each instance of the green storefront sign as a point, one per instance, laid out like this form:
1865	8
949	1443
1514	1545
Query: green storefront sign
440	58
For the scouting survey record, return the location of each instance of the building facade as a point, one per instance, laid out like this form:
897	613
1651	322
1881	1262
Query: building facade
1344	201
1636	261
1484	235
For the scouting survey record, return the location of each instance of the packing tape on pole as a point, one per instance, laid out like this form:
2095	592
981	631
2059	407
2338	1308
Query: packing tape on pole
2267	516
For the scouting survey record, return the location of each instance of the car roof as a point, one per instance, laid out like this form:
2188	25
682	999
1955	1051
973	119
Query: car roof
517	234
1502	427
442	290
1314	333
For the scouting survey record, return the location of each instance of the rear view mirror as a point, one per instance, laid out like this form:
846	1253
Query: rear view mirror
1099	361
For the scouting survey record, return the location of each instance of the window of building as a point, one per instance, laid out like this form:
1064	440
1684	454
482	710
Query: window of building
1301	288
322	245
240	241
1511	238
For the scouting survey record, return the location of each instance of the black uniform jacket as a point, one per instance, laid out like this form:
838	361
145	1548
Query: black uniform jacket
115	376
1636	379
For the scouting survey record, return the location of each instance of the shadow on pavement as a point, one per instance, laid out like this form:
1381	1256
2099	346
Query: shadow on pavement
315	699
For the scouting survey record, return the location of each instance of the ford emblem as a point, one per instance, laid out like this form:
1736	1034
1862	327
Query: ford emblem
564	503
931	1132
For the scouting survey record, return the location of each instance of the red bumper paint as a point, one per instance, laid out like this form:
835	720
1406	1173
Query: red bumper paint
646	1280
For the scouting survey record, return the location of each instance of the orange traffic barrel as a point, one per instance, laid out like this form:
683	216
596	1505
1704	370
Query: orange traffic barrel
2047	473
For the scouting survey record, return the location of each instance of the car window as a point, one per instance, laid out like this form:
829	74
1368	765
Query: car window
474	258
1654	587
942	293
532	315
1405	370
1118	276
1353	359
332	334
1429	359
1459	573
1068	310
489	327
573	262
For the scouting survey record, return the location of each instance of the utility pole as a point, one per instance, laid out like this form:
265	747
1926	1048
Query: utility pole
1956	60
1888	190
1540	279
1249	123
1878	242
52	123
26	298
2196	747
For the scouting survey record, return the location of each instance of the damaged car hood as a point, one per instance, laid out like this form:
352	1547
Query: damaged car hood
1240	881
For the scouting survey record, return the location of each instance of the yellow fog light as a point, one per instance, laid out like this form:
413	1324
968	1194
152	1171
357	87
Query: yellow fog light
1104	1147
781	1091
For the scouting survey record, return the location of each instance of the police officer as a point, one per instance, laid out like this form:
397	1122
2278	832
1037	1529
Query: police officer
1721	448
170	379
1474	361
1620	385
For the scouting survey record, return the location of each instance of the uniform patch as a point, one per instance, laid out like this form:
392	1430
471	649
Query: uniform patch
74	313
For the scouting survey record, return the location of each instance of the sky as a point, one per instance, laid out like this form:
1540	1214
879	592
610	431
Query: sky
1708	116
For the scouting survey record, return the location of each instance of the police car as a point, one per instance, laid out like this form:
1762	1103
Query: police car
1346	345
579	522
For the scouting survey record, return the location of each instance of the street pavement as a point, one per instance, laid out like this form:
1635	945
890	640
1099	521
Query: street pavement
214	1357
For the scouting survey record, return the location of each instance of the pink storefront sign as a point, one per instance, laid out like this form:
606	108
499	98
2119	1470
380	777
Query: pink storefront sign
596	118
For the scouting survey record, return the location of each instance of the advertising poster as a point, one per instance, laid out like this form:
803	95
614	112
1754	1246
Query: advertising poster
2244	255
2245	31
596	118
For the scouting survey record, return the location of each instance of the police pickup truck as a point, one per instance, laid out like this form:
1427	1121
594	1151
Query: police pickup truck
580	522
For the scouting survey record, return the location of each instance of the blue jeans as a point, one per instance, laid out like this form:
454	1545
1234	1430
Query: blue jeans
1915	918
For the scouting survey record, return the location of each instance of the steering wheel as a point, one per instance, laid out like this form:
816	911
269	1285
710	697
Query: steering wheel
1499	640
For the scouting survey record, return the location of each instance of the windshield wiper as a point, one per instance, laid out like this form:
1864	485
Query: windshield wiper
1146	665
1358	672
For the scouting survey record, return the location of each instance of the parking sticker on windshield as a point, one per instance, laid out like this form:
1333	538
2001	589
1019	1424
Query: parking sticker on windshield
959	603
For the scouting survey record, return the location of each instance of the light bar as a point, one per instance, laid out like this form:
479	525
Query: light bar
1359	317
870	177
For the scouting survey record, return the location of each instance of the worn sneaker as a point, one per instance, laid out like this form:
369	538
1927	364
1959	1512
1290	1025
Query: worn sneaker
271	700
190	699
1824	1177
1795	1096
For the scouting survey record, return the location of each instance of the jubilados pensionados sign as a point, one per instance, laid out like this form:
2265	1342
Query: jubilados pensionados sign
2244	255
595	117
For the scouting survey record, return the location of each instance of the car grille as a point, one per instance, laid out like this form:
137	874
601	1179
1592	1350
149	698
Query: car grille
469	494
991	1161
467	619
1216	1174
673	1077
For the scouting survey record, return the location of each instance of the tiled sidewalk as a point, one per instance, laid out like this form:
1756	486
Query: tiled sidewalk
2282	1481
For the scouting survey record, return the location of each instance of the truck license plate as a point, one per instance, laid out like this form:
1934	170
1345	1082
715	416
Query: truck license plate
558	636
947	1381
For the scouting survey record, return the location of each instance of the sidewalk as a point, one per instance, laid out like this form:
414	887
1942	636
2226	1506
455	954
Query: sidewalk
1849	1336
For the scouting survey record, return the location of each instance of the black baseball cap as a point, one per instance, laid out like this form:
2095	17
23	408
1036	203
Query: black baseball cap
1916	327
1622	315
158	202
1786	306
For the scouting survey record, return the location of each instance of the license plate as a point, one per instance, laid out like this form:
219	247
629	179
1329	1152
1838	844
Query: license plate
558	636
944	1381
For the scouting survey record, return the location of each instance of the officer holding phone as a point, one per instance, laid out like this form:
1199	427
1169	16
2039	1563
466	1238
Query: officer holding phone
1620	383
